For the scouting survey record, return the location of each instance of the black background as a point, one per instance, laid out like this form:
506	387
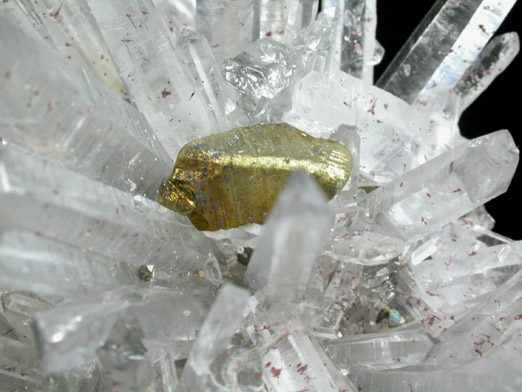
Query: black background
499	107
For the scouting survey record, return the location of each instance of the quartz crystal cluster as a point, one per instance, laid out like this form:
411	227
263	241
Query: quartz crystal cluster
396	284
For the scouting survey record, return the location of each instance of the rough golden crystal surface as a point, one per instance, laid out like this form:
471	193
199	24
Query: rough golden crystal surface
233	178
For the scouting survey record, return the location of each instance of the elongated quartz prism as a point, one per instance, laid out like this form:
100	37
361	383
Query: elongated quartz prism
231	179
440	50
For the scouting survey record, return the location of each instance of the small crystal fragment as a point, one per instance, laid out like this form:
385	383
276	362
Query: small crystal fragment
281	265
146	272
231	179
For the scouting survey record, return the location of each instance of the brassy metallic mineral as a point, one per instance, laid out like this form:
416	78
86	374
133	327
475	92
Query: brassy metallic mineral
233	178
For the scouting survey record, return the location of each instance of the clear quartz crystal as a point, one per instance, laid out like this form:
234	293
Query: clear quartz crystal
199	60
177	14
264	74
460	179
443	46
356	43
73	334
71	118
397	284
281	265
70	29
44	198
390	349
282	20
137	38
211	366
492	61
227	25
394	136
62	269
123	357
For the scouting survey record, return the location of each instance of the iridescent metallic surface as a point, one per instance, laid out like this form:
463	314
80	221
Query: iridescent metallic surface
233	178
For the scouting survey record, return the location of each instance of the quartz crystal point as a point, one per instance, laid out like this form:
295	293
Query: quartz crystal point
19	308
465	357
491	62
457	282
493	324
71	30
227	25
43	198
356	41
123	357
61	269
282	20
137	38
200	62
460	179
297	362
71	335
73	119
213	365
233	178
281	264
443	46
387	349
394	136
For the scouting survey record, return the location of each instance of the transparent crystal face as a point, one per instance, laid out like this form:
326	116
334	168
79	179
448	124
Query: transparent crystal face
396	284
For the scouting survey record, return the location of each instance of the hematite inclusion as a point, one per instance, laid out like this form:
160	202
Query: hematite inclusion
233	178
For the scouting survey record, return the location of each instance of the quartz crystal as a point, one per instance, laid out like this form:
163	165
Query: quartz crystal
227	25
390	278
443	46
356	44
68	116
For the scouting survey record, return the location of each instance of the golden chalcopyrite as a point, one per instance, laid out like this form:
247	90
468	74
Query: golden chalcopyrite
233	178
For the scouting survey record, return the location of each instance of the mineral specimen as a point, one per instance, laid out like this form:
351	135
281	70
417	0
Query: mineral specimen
397	284
231	179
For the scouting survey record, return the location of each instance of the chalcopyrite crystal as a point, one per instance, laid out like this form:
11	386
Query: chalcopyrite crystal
233	178
343	242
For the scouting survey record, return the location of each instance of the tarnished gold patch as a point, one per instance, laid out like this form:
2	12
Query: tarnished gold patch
234	178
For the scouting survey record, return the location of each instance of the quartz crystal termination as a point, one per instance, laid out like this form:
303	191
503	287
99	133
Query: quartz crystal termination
43	198
71	335
227	25
282	20
279	272
233	178
281	265
491	62
443	46
70	28
355	42
214	364
71	118
394	136
137	38
460	179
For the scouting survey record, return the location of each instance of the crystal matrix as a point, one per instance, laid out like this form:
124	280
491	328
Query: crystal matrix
397	283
